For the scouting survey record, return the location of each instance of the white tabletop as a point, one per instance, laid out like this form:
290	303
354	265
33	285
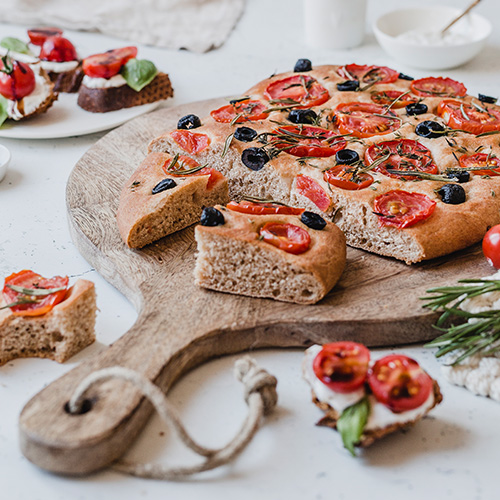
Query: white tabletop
452	454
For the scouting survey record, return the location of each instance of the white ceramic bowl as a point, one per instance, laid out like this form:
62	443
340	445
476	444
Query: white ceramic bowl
390	26
4	161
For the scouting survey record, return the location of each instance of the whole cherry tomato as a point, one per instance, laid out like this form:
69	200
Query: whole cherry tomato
58	49
491	246
17	79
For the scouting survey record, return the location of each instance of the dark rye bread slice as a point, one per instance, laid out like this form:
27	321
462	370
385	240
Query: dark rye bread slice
111	99
370	436
67	81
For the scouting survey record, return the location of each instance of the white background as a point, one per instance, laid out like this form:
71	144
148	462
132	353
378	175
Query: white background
453	454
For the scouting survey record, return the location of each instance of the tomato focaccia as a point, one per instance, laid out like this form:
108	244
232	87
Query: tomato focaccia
406	168
166	194
268	251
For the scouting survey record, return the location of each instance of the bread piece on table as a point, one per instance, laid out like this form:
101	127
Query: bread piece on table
144	217
102	100
58	334
232	258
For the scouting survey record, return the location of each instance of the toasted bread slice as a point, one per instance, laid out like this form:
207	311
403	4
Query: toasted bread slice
67	81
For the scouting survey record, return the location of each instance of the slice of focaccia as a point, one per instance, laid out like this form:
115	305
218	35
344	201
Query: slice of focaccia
166	194
293	258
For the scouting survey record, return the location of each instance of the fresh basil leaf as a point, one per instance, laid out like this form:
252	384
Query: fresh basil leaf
351	423
15	45
3	109
138	73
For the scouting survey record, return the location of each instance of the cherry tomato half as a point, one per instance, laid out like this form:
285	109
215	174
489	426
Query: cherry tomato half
466	117
347	177
438	87
365	120
303	89
491	246
402	209
248	111
287	237
17	79
394	98
304	141
185	163
368	74
404	154
58	49
481	164
109	63
399	383
342	366
191	142
260	208
309	188
42	304
39	35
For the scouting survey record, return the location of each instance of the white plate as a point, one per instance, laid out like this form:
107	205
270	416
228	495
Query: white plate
66	119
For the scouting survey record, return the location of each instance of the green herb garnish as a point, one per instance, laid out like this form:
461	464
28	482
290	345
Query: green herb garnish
352	422
138	73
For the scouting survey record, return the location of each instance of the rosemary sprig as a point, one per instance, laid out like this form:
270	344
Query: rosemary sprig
422	175
481	335
20	301
255	199
227	143
35	292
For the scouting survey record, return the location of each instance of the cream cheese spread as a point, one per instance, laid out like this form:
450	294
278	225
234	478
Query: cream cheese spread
59	67
449	38
24	58
103	83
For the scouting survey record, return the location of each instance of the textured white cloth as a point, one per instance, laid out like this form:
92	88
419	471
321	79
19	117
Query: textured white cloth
197	25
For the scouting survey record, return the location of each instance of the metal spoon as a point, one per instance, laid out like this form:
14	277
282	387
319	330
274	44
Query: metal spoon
466	11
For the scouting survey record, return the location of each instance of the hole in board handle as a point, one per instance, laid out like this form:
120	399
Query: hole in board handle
86	407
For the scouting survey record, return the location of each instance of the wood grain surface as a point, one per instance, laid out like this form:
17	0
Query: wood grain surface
181	326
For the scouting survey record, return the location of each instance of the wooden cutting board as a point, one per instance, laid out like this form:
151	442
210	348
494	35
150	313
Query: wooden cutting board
180	326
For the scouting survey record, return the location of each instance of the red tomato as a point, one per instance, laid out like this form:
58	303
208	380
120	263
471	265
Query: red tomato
466	117
39	35
368	74
311	189
261	208
17	79
393	98
481	164
405	154
342	366
438	87
399	383
365	120
109	63
287	237
312	141
185	163
191	142
42	304
249	111
491	246
347	177
402	209
303	89
58	49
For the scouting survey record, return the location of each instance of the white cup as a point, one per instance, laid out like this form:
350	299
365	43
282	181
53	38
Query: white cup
4	161
334	24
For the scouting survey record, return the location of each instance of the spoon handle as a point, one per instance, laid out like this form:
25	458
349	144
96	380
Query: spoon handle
465	12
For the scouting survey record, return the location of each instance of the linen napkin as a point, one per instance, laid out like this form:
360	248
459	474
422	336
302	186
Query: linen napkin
196	25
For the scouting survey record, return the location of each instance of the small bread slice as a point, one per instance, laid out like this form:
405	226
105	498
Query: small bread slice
102	100
58	334
67	81
233	258
144	217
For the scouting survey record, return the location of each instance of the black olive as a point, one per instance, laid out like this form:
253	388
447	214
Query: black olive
302	65
487	98
453	194
245	134
188	122
402	76
416	108
429	129
346	156
461	175
254	158
210	216
302	116
164	185
312	220
349	85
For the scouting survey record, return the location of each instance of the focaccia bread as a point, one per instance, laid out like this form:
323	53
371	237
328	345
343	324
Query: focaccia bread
166	194
406	168
293	258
